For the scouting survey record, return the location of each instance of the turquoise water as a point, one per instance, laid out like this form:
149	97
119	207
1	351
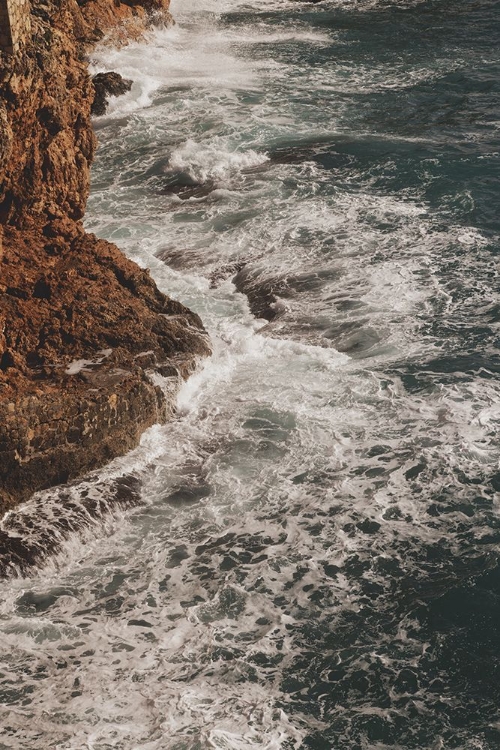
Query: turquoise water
313	559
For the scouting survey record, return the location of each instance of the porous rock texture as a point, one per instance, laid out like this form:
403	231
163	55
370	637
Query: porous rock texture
81	327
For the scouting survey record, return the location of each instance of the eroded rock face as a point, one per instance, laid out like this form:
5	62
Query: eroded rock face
45	96
80	325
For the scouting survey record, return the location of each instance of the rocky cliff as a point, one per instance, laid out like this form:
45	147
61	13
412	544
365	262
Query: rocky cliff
81	327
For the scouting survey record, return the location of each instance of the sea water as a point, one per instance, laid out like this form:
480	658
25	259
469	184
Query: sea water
314	560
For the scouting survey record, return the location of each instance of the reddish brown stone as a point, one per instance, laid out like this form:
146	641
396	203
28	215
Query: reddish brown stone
65	295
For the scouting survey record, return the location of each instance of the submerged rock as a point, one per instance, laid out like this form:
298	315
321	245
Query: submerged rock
106	85
40	528
262	292
188	190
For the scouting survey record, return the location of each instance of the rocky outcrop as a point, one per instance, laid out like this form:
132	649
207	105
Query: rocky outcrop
106	85
81	327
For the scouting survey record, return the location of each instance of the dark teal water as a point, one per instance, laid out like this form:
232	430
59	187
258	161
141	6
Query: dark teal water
314	562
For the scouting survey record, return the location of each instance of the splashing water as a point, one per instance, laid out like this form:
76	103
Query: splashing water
307	557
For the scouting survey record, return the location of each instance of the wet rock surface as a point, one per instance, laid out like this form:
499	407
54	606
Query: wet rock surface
262	293
38	530
106	85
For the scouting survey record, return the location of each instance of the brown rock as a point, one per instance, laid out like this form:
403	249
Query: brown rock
105	85
80	325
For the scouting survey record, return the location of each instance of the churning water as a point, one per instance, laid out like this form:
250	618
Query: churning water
314	559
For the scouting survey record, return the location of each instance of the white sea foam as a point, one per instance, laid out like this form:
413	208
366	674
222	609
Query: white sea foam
307	453
174	59
211	162
79	365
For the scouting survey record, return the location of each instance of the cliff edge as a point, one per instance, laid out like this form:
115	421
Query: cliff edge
81	327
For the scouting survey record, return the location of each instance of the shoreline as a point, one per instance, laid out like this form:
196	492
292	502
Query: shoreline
81	326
